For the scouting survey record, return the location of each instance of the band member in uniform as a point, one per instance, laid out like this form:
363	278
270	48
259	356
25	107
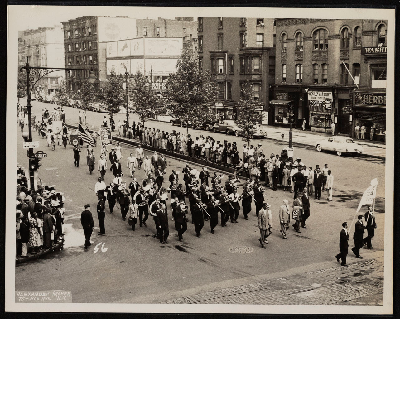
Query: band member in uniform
305	201
180	219
87	224
163	221
133	214
132	164
224	206
141	201
101	214
247	198
212	209
111	197
258	196
234	210
77	155
134	187
124	202
198	217
154	207
116	169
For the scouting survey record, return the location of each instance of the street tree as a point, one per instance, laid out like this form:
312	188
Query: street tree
62	94
247	115
190	92
111	95
86	94
21	84
145	101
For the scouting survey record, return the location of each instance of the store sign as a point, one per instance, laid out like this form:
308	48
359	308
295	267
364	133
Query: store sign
368	99
374	50
319	96
281	96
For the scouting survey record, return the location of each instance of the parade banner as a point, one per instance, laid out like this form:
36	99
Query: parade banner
369	195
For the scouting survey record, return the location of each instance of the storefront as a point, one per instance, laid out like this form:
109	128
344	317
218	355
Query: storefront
281	111
320	110
288	98
224	110
369	111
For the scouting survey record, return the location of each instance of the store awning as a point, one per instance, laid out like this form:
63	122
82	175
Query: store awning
279	102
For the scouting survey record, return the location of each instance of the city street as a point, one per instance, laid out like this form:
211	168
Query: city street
131	267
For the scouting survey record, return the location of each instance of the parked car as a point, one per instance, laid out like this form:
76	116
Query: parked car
97	107
228	126
178	122
165	118
340	145
205	126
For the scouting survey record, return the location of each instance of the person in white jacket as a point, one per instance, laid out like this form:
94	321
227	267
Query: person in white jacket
329	185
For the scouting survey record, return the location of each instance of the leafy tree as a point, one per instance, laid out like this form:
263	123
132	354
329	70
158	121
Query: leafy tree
111	95
191	92
144	100
247	116
86	94
62	94
21	85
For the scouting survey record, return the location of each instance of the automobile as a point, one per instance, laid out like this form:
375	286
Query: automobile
178	122
97	107
164	118
340	145
205	126
228	126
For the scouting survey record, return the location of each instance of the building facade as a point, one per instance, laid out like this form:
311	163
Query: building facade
237	50
43	47
321	65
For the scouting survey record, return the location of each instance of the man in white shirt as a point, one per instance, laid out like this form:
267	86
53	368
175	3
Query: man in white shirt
329	185
99	187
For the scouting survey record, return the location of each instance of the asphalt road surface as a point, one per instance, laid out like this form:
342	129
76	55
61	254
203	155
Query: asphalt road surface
132	267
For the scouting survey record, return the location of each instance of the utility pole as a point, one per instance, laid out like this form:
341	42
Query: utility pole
127	100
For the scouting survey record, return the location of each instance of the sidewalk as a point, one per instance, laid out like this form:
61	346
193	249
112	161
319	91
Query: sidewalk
308	138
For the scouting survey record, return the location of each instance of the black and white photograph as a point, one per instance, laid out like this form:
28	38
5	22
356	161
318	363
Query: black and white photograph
198	160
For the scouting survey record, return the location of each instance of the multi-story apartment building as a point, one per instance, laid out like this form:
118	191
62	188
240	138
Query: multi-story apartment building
236	50
43	47
320	67
85	41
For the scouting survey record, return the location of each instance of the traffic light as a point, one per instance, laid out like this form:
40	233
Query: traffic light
34	164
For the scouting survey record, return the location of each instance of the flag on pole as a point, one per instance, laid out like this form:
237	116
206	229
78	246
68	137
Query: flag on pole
369	195
85	136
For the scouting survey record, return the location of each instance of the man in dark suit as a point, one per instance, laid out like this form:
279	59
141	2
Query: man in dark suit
116	169
306	208
318	181
358	236
112	156
370	225
344	245
101	214
163	221
180	219
87	224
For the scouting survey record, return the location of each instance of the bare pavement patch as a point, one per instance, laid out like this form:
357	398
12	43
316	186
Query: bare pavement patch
361	283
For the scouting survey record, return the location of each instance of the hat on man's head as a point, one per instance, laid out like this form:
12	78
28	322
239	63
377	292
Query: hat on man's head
87	205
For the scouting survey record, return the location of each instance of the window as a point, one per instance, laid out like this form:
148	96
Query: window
84	61
221	66
221	90
284	42
324	73
320	39
201	63
200	24
356	73
299	73
77	60
90	45
243	39
229	90
381	35
76	46
242	22
220	23
378	76
89	31
76	33
90	59
248	65
158	31
83	45
200	44
299	41
260	40
68	34
94	45
94	58
220	41
94	29
256	91
260	21
69	60
315	72
357	36
145	31
213	66
344	38
242	65
283	72
344	75
83	31
231	65
69	47
256	65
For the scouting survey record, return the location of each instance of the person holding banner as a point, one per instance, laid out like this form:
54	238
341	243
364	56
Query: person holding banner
358	236
370	226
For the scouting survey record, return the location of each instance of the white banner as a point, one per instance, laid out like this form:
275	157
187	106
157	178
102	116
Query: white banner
369	195
319	96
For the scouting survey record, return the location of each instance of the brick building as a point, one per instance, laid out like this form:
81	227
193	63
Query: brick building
43	47
236	50
85	41
320	66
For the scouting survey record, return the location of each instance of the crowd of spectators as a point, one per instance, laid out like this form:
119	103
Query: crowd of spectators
39	217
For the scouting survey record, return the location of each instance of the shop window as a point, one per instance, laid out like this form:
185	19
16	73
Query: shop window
299	41
324	73
243	39
357	36
356	73
220	23
229	90
344	74
381	35
200	44
221	90
344	38
260	21
242	65
256	87
315	73
299	73
220	41
320	39
221	66
284	42
200	24
256	65
231	65
283	72
259	40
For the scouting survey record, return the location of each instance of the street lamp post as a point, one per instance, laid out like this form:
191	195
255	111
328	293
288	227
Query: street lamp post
127	100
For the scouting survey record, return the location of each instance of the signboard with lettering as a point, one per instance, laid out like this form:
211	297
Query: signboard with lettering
319	96
137	47
370	99
281	96
124	48
374	50
30	145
